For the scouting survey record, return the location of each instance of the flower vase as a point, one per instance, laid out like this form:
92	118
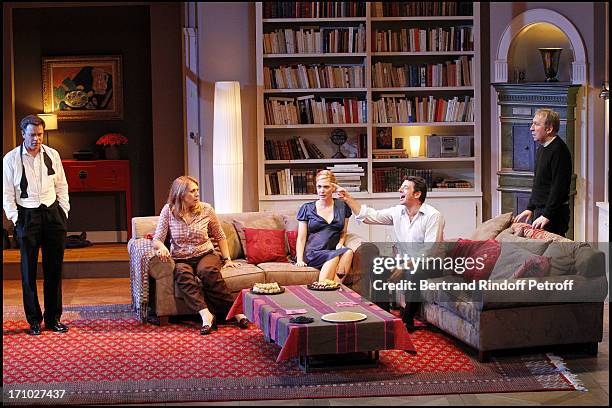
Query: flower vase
112	152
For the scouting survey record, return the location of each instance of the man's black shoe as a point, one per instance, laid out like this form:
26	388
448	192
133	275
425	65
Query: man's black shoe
57	327
34	329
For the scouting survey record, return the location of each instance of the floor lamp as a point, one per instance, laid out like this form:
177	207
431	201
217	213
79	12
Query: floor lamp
227	148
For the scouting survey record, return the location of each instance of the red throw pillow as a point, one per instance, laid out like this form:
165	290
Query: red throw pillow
265	245
534	267
292	241
488	251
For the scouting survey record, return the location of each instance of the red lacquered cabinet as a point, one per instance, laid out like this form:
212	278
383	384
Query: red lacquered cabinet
101	175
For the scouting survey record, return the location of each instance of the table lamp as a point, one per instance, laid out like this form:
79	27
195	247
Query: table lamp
50	123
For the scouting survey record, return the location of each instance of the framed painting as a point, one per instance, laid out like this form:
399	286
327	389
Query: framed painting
83	88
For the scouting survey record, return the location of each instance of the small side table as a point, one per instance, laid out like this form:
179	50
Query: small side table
101	175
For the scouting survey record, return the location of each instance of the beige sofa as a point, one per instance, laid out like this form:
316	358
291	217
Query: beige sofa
154	293
496	320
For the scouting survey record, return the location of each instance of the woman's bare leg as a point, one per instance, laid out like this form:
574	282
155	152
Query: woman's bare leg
328	270
344	265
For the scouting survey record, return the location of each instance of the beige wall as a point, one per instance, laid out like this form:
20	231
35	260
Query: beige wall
226	34
589	20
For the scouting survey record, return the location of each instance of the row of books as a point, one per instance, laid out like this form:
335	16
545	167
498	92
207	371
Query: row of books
449	73
348	176
313	9
315	40
421	8
290	182
389	154
389	179
399	109
314	76
310	110
446	183
295	148
433	39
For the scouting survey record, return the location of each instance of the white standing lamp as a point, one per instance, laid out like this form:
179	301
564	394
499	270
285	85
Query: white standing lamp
227	148
50	123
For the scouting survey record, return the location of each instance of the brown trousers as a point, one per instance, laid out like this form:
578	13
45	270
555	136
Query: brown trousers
201	284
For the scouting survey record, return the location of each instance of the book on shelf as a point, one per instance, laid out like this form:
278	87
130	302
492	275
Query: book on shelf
389	154
290	181
430	39
315	40
294	148
421	9
450	74
389	179
311	110
423	109
310	9
452	184
314	76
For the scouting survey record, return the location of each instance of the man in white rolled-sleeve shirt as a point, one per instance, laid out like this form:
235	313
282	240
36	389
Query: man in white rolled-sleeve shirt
35	199
413	221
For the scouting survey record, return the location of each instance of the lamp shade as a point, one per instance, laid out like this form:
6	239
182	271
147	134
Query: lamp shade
50	120
227	148
415	145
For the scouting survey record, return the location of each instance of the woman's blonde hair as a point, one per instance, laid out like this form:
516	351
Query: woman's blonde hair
180	187
326	174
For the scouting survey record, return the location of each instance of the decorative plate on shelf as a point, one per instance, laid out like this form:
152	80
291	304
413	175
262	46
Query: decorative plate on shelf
344	317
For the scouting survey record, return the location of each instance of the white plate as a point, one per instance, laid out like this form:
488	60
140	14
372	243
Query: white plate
344	317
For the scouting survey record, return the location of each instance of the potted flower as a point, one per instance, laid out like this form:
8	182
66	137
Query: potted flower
111	143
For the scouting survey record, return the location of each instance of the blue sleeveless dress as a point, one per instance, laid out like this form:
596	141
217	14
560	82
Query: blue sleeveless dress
323	237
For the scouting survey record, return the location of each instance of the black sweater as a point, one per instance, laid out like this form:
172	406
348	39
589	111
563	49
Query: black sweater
553	175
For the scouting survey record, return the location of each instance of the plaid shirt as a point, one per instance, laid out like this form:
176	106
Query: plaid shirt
189	240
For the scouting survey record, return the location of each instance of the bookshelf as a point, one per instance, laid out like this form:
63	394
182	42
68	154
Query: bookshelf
452	80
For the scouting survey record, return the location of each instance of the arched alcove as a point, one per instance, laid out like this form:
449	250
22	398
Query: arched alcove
541	20
524	56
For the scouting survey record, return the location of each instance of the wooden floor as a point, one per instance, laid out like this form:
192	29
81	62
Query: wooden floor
95	253
592	371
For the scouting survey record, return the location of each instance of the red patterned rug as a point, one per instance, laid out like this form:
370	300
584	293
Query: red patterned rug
108	356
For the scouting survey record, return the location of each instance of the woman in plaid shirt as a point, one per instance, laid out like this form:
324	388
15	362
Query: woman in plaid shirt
192	224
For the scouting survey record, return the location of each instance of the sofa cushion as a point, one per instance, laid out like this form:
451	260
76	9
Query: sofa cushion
265	245
144	225
290	222
488	251
534	267
289	274
527	231
262	221
492	227
242	277
535	246
292	242
233	242
564	256
511	258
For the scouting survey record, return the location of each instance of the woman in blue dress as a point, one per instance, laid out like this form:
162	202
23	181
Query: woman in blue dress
322	232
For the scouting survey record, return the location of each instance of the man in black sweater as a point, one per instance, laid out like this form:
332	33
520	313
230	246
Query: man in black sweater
549	201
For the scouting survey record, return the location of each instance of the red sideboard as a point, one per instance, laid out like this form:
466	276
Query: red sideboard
101	175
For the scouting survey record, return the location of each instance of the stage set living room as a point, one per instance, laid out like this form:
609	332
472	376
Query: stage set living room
306	203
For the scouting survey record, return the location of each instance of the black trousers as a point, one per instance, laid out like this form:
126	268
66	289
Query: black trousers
559	224
43	227
202	286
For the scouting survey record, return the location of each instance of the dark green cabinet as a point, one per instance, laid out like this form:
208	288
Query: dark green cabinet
517	105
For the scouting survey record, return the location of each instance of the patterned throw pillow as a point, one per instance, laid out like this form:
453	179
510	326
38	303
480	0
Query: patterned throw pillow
265	245
259	222
534	267
292	241
488	250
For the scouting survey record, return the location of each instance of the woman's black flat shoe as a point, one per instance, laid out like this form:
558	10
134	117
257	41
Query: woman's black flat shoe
243	323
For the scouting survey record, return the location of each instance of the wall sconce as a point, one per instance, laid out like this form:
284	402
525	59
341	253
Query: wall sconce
415	145
50	120
227	147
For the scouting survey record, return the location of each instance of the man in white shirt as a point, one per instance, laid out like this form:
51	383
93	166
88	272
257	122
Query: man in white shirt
35	199
413	221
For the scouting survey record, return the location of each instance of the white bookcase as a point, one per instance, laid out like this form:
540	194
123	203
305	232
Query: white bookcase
461	207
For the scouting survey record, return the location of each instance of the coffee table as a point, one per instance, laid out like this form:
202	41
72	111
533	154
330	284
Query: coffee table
323	344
